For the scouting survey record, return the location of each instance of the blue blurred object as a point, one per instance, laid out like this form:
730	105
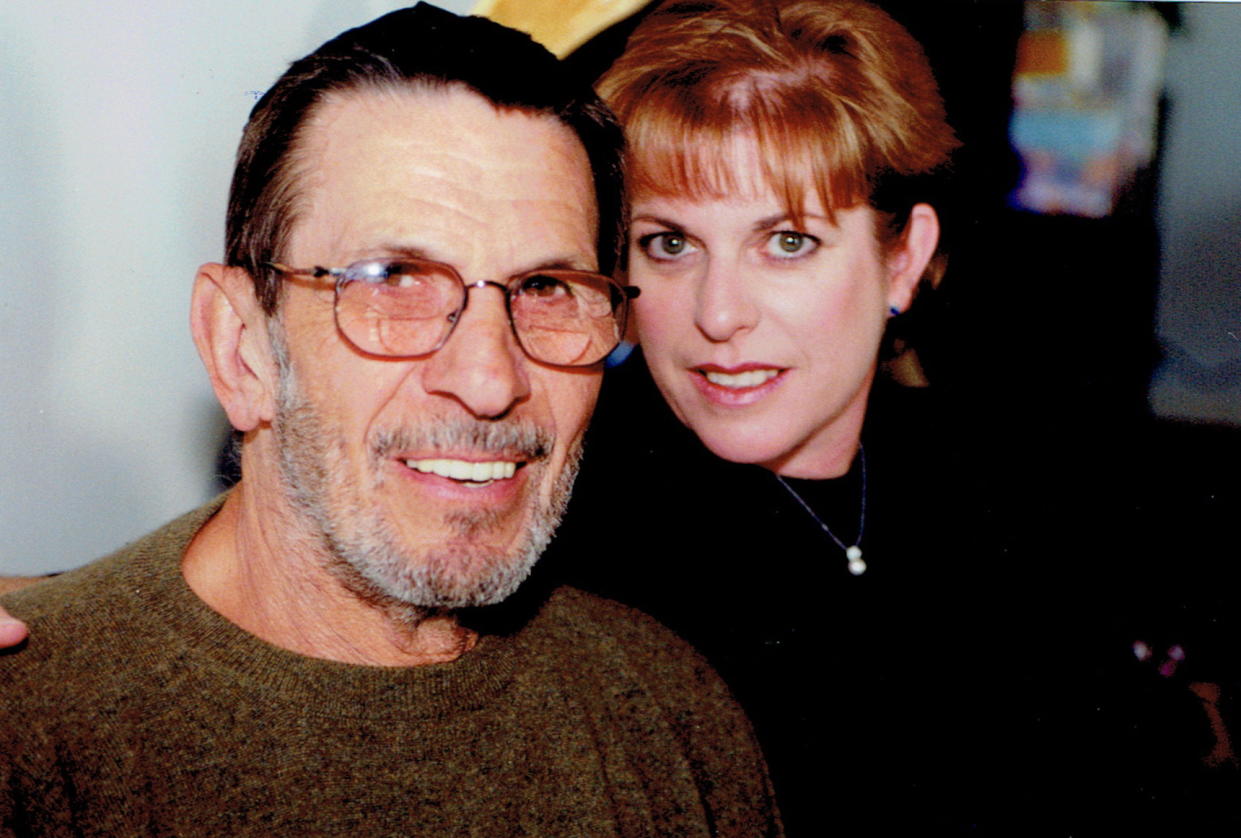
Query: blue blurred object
1086	90
619	355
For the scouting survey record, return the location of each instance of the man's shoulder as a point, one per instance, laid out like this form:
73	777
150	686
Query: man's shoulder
72	600
592	619
72	652
81	614
609	637
655	688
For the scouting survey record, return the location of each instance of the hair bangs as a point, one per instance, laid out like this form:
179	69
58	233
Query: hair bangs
686	144
679	148
807	150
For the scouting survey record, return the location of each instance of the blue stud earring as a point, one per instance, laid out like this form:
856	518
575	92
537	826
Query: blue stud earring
893	311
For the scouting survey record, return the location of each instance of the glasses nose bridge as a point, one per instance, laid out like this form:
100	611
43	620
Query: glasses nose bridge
482	283
466	287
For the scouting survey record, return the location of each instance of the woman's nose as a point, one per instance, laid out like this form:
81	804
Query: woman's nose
724	307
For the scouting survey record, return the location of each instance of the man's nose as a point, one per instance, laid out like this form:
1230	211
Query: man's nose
481	366
724	306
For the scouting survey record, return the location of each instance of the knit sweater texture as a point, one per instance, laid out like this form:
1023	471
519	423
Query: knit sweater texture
138	710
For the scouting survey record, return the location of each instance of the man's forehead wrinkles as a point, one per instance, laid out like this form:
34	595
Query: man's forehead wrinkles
392	117
534	232
559	260
385	195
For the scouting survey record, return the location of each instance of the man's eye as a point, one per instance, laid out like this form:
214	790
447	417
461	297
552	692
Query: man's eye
670	245
402	277
394	274
541	285
784	244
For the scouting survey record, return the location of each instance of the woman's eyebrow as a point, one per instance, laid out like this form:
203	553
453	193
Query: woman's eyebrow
784	218
655	219
771	221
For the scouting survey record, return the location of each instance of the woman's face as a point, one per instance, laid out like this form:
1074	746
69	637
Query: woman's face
761	334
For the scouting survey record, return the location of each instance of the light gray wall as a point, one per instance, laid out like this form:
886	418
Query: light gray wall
1199	322
118	124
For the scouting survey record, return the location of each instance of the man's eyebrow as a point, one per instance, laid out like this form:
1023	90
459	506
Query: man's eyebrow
407	251
402	251
569	264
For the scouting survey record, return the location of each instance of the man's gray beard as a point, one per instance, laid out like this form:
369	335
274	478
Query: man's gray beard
364	551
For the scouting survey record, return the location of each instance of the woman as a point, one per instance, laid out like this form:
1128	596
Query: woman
776	219
822	535
785	161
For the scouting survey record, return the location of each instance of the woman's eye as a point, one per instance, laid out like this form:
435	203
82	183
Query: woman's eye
665	245
784	244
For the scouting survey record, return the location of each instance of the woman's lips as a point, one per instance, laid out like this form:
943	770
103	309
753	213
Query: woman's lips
736	386
740	380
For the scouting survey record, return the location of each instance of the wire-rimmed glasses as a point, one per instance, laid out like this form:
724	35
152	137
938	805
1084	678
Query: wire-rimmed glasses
406	307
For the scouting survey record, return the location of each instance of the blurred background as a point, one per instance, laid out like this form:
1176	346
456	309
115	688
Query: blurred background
1094	292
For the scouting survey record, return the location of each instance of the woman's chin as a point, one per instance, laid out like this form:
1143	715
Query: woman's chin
746	449
821	455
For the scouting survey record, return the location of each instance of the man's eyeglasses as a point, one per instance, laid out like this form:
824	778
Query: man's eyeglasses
403	308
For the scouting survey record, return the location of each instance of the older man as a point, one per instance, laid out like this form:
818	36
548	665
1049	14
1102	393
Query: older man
408	332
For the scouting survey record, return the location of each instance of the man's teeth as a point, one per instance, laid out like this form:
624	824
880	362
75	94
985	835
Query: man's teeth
465	470
749	378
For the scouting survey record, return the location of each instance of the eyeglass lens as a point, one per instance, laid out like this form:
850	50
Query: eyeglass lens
409	307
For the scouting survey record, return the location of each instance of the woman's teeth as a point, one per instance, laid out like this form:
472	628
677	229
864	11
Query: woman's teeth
749	378
465	470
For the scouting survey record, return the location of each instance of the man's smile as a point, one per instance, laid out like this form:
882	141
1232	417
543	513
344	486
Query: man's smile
466	471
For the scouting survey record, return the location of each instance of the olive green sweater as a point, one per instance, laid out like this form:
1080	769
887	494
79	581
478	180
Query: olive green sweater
137	710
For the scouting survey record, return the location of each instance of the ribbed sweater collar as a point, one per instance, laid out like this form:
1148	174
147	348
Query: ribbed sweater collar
169	612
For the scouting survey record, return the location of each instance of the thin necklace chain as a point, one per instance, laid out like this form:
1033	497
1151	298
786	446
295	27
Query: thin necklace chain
853	552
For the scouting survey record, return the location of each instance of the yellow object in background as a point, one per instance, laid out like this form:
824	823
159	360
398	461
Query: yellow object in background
560	25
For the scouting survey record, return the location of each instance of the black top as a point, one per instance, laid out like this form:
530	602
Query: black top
854	683
957	682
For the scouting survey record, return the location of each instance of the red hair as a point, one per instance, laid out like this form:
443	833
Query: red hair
839	97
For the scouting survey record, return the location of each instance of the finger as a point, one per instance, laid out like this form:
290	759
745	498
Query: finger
12	630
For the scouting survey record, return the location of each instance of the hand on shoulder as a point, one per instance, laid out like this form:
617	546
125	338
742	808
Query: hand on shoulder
13	630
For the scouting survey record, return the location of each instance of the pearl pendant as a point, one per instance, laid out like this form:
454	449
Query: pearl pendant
854	554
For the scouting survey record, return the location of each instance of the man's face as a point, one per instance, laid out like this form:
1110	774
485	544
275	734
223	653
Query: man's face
382	456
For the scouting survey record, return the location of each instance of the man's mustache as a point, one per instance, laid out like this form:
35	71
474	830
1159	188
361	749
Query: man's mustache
516	439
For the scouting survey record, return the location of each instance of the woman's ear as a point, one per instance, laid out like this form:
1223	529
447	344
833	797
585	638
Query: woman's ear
230	331
908	259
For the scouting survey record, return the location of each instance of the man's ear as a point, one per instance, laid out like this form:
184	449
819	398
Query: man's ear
908	260
230	331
